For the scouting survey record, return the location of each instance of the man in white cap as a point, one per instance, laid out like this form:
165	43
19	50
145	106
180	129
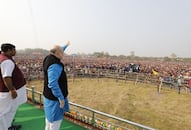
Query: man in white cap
55	88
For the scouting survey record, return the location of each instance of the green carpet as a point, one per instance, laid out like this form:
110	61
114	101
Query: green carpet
32	118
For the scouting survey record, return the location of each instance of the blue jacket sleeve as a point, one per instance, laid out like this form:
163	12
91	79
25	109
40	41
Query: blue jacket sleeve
54	72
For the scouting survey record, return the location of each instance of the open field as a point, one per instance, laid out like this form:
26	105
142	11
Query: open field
141	103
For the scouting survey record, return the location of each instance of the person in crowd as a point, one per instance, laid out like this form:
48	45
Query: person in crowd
189	84
12	87
179	81
55	88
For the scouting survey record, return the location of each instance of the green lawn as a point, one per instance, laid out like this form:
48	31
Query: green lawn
32	118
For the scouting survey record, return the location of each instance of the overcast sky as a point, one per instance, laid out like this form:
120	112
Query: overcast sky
147	27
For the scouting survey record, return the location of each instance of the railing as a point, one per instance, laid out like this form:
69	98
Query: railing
90	118
126	76
135	77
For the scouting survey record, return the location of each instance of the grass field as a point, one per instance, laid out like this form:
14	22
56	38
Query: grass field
138	103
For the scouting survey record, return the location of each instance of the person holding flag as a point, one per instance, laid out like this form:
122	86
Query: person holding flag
155	72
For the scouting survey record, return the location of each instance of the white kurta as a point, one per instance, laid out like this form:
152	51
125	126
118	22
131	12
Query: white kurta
8	106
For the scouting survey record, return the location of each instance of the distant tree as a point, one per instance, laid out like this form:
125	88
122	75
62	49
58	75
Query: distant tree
173	55
101	54
166	59
132	53
33	51
122	57
106	54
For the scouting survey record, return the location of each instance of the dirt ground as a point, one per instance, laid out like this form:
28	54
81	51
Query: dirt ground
139	103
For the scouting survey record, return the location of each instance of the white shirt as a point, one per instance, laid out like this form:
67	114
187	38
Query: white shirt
7	67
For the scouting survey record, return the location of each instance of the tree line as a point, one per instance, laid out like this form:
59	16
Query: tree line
132	56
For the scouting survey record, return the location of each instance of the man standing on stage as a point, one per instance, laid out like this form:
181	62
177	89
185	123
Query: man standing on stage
12	87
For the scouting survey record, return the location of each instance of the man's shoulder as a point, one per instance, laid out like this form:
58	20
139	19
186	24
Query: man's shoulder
8	61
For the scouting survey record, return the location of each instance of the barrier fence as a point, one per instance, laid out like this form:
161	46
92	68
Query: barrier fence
90	118
93	119
148	78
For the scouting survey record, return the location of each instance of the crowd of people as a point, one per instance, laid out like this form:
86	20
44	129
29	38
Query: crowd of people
31	65
36	66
